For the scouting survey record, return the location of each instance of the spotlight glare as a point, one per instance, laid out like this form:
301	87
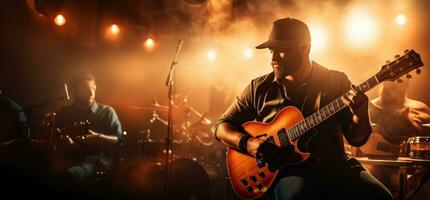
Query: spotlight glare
361	28
248	53
318	38
60	20
114	29
401	19
149	43
211	56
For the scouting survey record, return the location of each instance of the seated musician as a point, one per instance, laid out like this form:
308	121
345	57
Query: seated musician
399	116
95	151
298	81
395	117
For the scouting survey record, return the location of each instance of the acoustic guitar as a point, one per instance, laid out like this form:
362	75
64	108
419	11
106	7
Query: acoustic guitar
251	178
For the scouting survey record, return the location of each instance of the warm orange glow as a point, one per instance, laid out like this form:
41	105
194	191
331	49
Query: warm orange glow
211	55
401	19
248	53
361	28
60	20
318	38
149	43
114	29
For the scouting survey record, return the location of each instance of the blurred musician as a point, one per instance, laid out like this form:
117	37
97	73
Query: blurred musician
95	151
399	115
21	166
13	123
395	117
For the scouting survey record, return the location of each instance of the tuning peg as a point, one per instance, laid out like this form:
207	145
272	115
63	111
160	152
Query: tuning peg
397	56
408	76
387	61
418	71
399	80
406	50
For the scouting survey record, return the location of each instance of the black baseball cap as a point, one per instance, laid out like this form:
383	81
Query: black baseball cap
287	31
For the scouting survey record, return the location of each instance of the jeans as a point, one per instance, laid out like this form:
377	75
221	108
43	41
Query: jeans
330	181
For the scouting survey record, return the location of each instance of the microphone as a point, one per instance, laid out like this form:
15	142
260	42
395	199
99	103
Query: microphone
178	49
169	80
66	90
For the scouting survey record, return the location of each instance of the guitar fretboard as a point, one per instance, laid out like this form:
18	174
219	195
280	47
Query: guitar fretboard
323	113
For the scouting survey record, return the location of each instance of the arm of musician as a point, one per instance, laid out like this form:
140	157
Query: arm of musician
230	136
358	130
114	128
100	137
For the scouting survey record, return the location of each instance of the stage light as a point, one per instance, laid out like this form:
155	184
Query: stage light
211	55
248	53
401	19
318	38
114	29
60	20
149	43
361	28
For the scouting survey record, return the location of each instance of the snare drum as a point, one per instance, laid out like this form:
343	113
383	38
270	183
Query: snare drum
419	147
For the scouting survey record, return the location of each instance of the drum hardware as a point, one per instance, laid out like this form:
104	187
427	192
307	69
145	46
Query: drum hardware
154	106
29	110
155	117
419	147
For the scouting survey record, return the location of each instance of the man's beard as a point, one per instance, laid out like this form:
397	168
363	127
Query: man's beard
85	102
288	66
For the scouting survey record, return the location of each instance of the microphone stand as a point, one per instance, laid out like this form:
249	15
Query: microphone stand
170	83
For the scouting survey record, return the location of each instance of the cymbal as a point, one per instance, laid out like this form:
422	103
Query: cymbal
154	106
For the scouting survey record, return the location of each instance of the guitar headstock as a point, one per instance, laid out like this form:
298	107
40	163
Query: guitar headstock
402	65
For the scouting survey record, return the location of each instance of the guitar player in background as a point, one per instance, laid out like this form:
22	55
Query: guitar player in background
394	118
298	81
95	151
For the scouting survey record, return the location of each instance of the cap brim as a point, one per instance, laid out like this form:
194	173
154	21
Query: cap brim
274	43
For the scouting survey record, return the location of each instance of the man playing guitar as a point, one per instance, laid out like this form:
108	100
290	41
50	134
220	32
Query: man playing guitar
298	81
104	131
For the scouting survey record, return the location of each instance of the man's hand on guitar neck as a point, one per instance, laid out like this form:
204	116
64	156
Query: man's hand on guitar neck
360	129
357	102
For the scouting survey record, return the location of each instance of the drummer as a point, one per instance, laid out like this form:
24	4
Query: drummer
400	117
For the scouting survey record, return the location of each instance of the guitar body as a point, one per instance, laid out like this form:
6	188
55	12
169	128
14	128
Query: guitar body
242	168
377	146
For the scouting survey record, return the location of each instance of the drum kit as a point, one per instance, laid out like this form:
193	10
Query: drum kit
191	139
417	147
193	144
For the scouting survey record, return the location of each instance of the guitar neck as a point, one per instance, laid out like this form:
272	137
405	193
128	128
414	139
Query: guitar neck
324	113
